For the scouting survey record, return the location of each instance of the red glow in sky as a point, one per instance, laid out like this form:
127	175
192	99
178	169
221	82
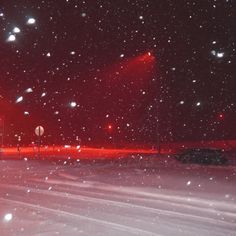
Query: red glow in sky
117	92
147	57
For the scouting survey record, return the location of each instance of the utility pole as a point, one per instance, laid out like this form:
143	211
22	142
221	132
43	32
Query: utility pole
2	130
158	101
158	137
158	129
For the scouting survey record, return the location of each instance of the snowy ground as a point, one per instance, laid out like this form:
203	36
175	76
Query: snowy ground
132	196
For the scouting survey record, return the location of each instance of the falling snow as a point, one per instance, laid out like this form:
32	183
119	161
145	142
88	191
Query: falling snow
11	38
97	56
31	21
8	217
118	91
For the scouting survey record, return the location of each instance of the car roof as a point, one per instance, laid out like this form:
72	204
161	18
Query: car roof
203	149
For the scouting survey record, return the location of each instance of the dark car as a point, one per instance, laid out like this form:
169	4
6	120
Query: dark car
202	156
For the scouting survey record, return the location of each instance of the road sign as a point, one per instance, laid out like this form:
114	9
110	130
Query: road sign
39	130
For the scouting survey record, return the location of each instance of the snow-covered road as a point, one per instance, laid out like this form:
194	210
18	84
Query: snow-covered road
132	196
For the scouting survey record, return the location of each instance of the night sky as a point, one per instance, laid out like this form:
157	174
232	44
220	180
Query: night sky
103	72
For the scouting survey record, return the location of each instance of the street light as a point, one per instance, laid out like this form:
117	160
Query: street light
151	58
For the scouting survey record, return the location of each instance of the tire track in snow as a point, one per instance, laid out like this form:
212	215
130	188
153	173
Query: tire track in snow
121	227
107	188
79	197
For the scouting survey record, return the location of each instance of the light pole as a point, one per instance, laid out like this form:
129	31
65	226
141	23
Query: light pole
158	127
158	137
2	129
111	133
18	145
158	102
